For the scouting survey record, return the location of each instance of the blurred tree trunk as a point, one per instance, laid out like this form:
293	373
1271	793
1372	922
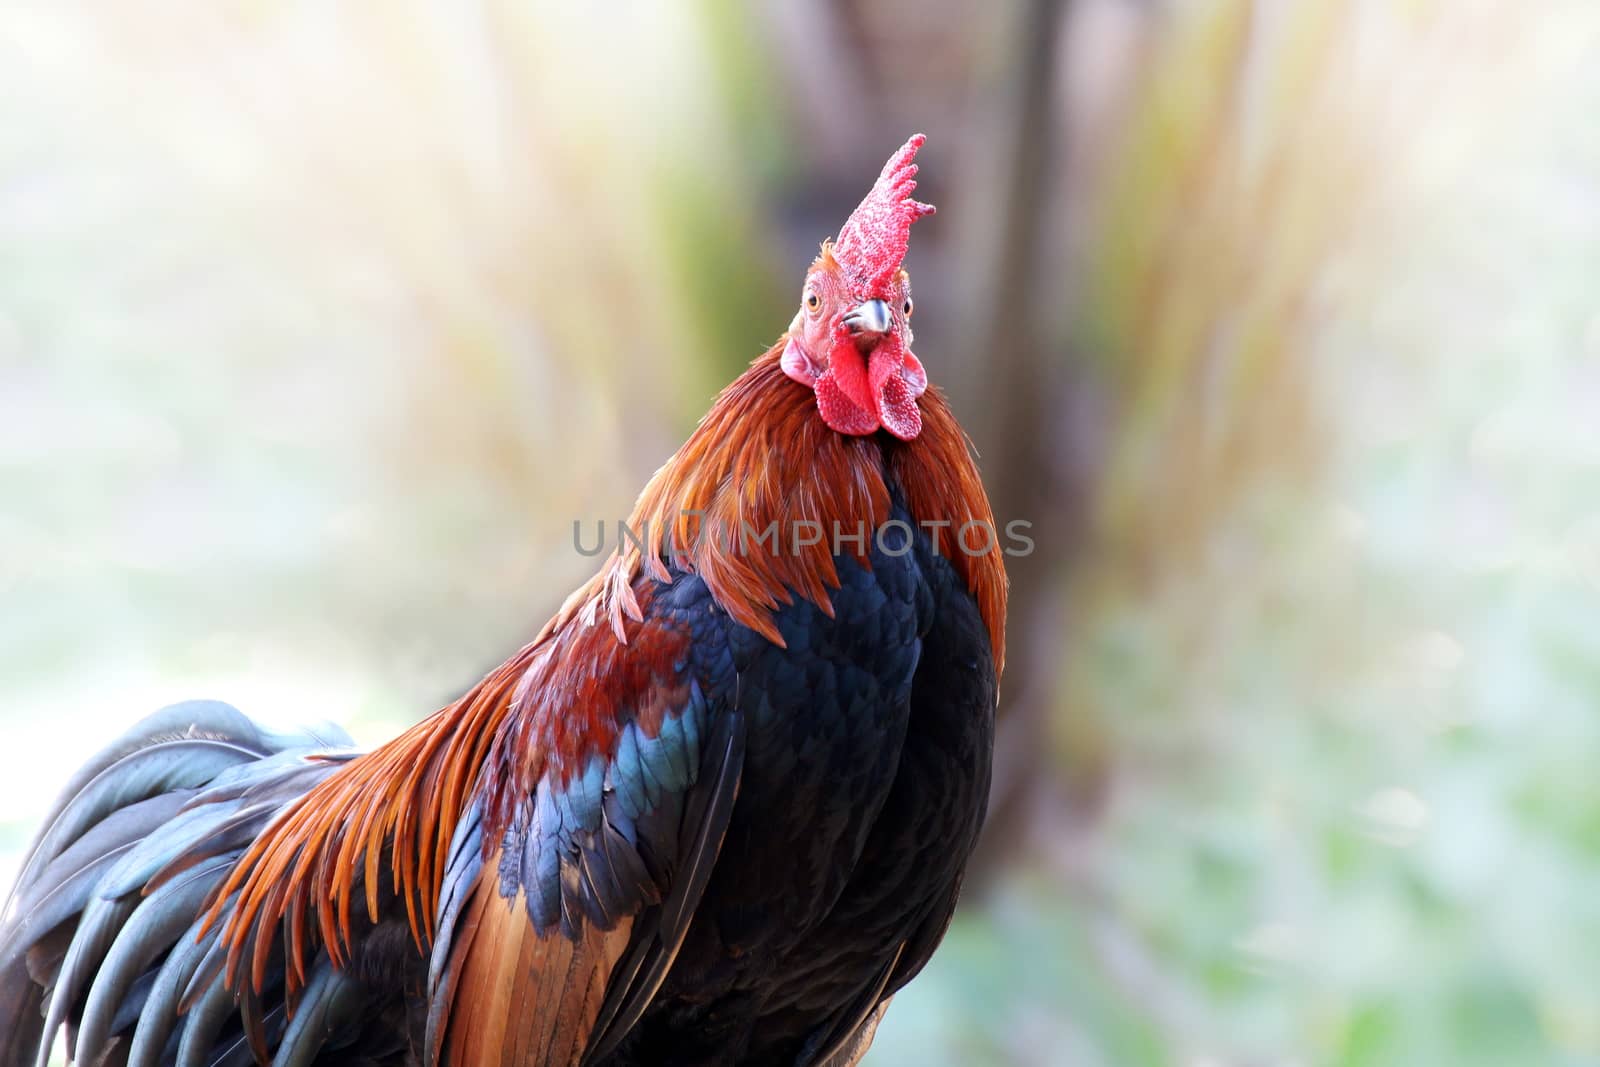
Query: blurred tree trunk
1024	389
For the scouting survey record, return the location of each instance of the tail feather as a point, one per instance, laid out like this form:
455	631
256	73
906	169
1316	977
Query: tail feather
157	922
204	1025
161	847
96	930
193	718
331	1002
155	1034
21	1023
64	885
127	1014
103	932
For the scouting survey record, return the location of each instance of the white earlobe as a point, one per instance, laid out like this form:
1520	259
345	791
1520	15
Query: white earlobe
796	363
912	373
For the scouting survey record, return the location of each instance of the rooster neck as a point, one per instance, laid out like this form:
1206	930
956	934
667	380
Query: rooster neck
754	503
938	480
763	495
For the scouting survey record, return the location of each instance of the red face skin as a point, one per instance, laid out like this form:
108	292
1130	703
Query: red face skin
864	378
851	341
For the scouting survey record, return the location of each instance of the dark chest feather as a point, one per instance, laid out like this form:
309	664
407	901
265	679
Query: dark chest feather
866	772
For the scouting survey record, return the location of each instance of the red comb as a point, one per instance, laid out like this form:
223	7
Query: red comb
872	244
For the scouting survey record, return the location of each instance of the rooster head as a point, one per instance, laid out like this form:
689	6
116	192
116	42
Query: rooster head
851	340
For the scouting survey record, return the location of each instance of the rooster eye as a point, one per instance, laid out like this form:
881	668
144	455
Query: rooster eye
813	301
907	308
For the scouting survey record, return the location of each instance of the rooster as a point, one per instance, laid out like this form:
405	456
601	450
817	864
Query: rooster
717	812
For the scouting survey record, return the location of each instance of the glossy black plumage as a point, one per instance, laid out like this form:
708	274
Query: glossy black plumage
787	848
866	776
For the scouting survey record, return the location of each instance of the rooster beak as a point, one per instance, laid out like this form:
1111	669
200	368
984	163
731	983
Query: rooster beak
868	318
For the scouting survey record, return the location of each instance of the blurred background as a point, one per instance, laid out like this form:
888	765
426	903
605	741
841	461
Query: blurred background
319	324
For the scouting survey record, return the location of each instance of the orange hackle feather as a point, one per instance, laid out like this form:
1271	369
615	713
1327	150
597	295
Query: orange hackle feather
553	703
409	793
943	490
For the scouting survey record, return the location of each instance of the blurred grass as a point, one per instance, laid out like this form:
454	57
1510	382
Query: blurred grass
318	328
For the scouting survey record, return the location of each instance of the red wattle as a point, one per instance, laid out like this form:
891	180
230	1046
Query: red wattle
839	411
897	409
892	395
858	399
849	370
843	395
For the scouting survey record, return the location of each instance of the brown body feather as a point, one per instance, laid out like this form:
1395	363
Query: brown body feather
522	998
407	796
